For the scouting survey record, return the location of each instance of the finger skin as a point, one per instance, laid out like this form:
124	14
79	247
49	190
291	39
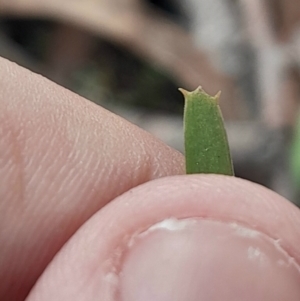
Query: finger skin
81	269
62	158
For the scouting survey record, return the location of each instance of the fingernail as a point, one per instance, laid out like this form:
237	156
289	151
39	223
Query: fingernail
201	259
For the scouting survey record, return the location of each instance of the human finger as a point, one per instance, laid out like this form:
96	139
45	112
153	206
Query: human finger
197	237
62	158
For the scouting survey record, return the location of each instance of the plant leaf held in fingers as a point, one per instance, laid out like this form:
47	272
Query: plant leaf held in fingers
206	144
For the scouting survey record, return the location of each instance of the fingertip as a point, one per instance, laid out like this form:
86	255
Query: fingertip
62	159
241	234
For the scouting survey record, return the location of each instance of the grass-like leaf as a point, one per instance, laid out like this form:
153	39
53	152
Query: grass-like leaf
206	144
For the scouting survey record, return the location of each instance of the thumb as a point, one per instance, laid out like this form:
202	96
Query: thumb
199	237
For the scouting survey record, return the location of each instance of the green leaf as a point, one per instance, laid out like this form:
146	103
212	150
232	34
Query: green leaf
295	157
206	144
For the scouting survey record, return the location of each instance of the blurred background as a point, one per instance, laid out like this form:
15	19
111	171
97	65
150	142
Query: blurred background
130	56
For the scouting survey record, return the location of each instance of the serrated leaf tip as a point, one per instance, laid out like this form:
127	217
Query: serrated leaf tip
184	92
217	97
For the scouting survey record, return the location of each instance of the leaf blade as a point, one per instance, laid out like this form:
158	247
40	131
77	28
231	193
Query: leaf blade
206	144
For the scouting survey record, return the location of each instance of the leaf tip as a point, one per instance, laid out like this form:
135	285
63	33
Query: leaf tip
199	89
217	97
184	92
